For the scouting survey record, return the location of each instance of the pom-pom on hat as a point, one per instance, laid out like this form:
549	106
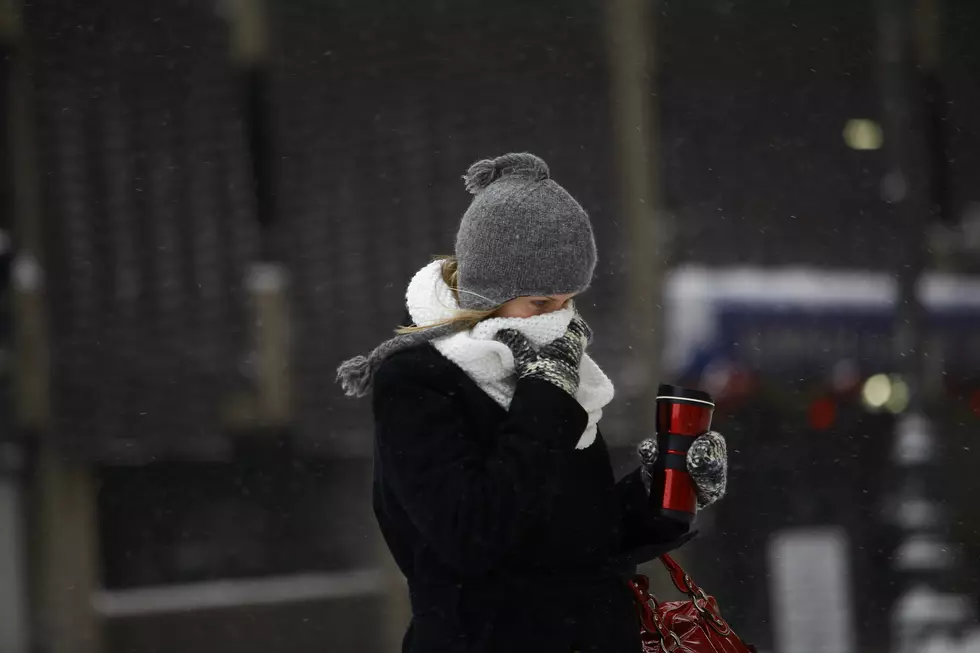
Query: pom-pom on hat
523	234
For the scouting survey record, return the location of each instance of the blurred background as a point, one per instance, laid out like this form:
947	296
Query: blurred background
206	205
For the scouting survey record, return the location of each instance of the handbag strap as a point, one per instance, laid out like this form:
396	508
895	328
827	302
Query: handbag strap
686	585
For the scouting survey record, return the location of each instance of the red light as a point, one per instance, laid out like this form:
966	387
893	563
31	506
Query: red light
975	402
822	414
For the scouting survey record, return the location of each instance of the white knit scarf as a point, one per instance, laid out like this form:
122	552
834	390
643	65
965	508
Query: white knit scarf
490	363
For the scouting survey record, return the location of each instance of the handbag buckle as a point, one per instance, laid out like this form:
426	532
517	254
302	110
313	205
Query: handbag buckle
701	600
663	642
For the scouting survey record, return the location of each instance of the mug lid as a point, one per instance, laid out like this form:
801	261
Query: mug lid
679	393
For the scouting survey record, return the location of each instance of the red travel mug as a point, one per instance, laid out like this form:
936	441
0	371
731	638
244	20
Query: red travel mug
682	415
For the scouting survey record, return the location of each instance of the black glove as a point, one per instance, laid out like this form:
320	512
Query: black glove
558	362
707	463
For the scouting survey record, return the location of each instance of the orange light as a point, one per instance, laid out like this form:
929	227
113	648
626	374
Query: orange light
822	414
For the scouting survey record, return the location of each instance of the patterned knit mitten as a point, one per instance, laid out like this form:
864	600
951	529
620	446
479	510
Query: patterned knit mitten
558	362
707	463
648	451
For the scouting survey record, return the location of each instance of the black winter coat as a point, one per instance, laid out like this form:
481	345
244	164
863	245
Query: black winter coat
510	538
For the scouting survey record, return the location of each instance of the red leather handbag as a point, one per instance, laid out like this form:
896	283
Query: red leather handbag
694	626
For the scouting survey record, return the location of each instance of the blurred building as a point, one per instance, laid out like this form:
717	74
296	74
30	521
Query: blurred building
211	532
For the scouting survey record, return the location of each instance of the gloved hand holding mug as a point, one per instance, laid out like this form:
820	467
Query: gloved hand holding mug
707	463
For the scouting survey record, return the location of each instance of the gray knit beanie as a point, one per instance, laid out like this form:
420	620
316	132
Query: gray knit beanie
523	234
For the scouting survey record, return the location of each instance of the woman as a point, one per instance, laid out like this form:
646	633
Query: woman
493	486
